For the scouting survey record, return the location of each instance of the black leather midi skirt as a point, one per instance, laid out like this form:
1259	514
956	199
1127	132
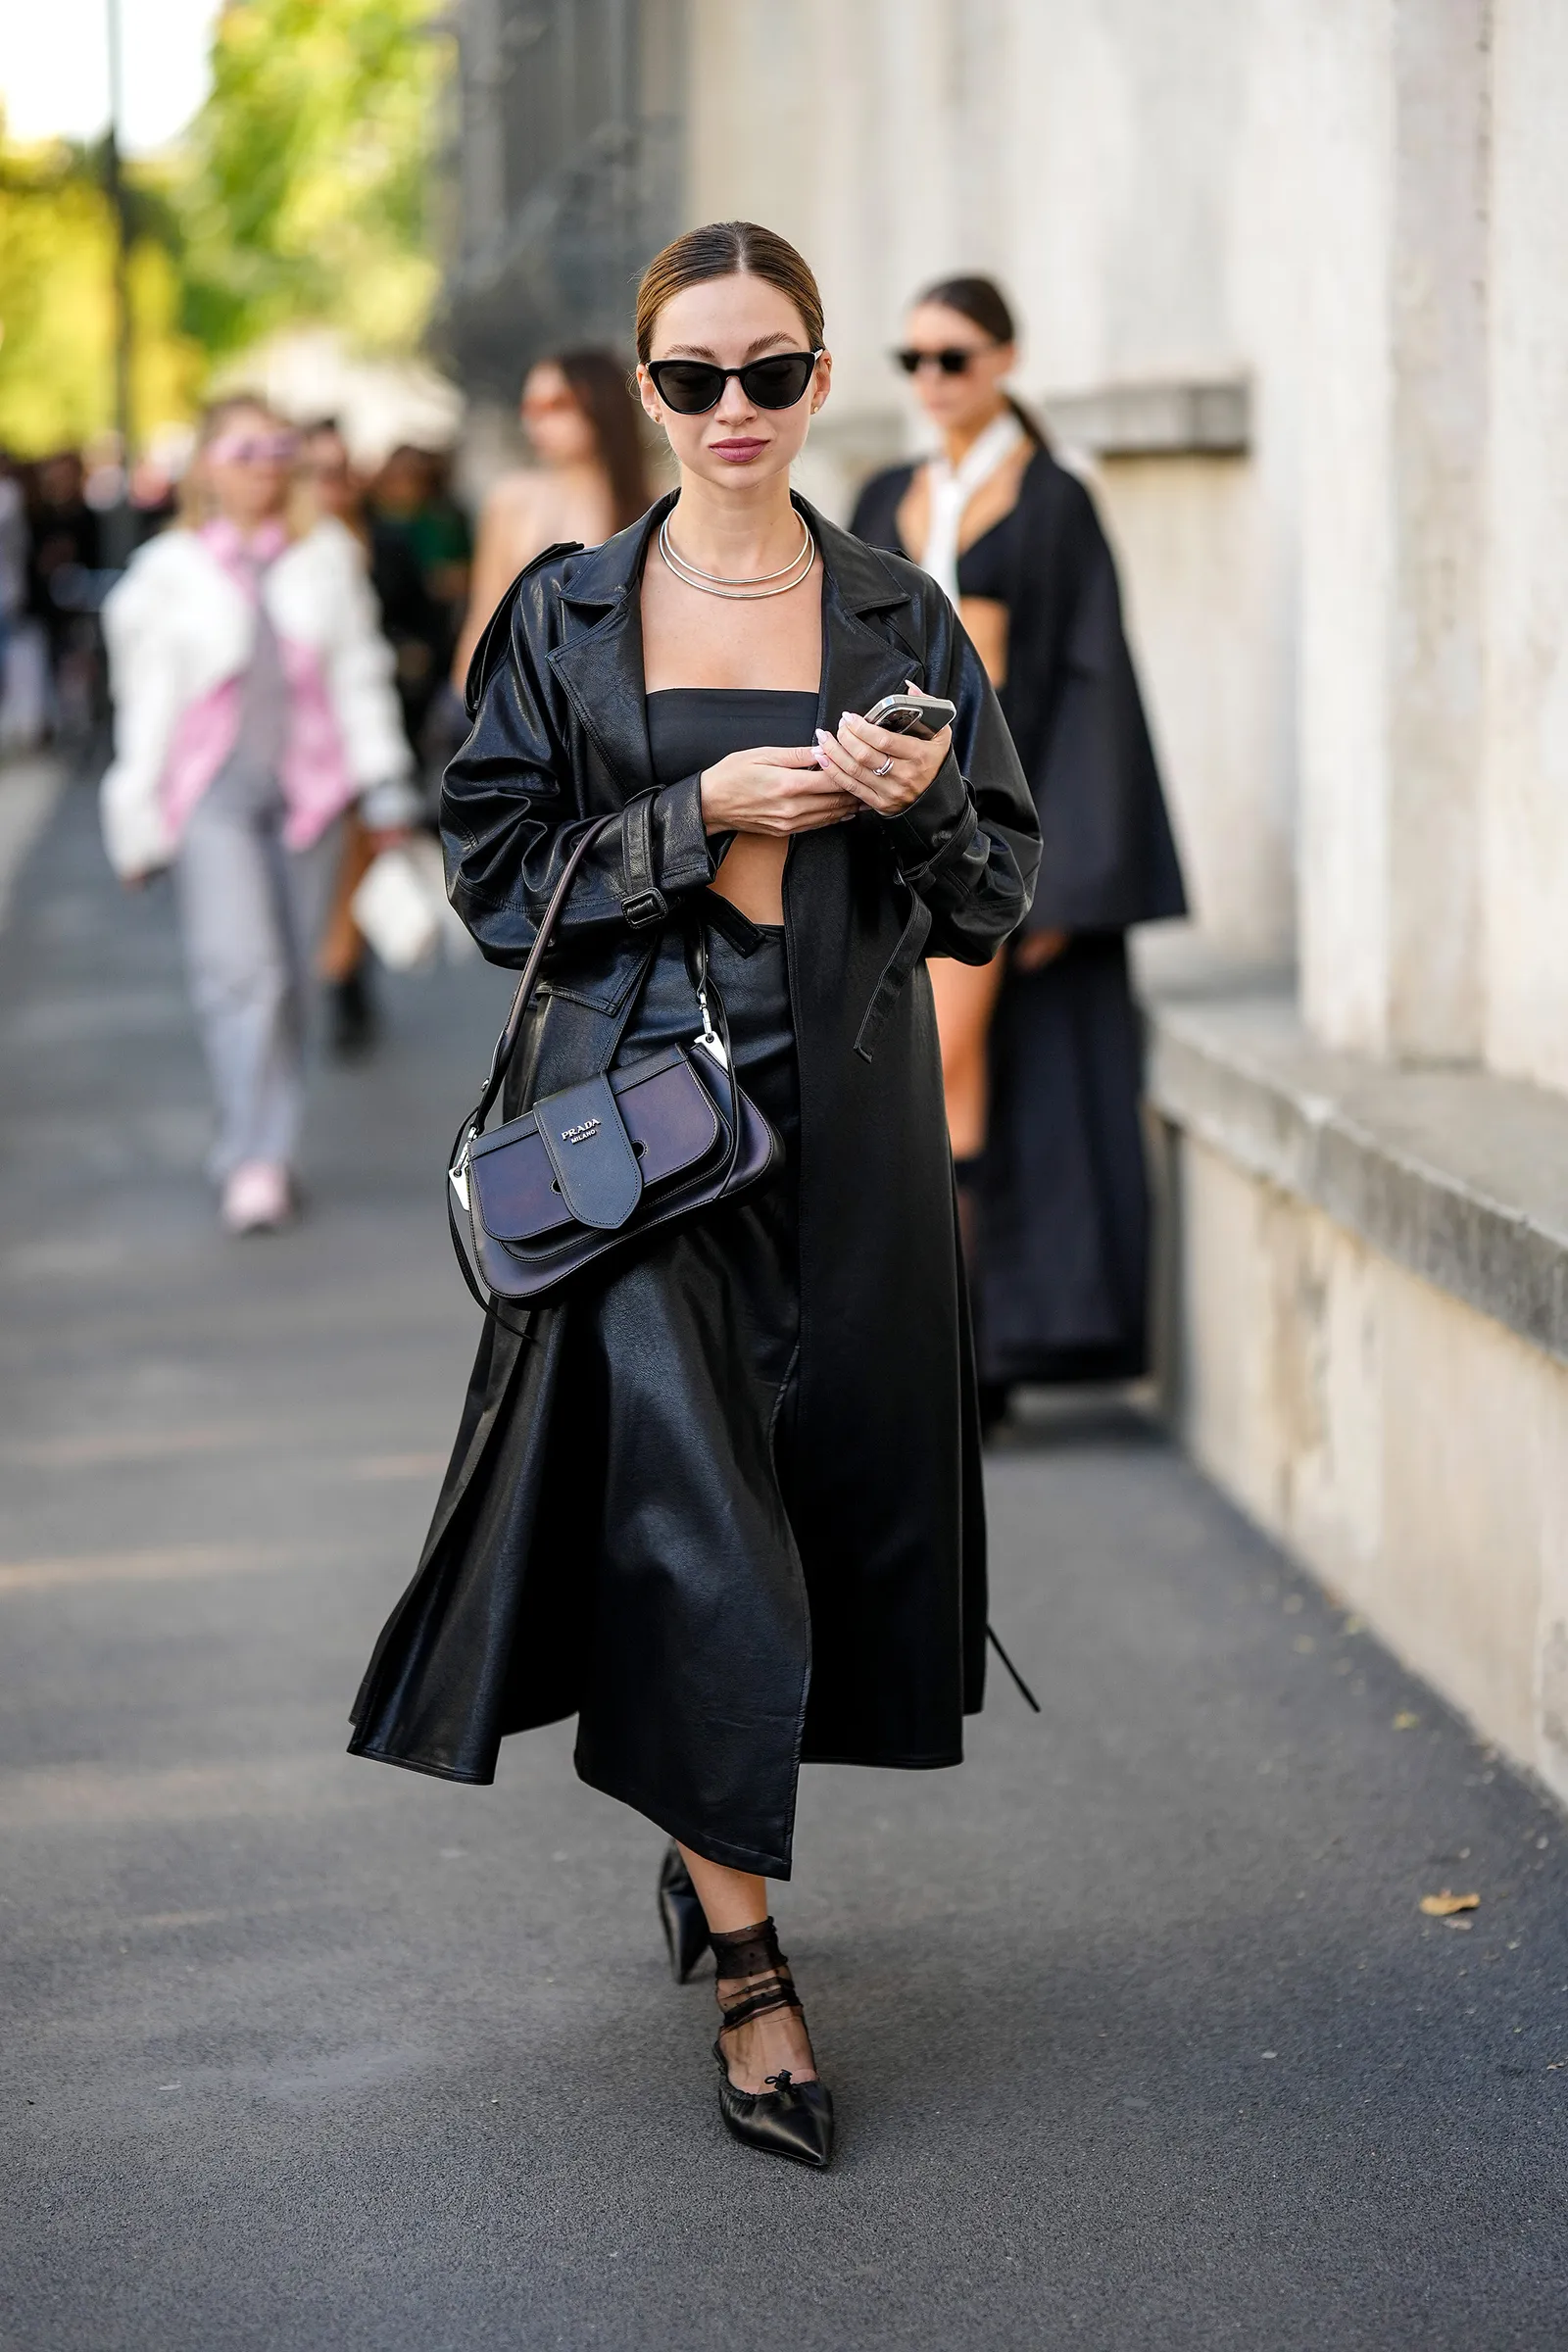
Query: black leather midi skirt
678	1377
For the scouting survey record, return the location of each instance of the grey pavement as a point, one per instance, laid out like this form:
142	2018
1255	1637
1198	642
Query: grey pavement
1138	2036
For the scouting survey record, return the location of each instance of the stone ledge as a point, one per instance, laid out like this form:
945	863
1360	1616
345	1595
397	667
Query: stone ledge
1211	418
1208	417
1459	1176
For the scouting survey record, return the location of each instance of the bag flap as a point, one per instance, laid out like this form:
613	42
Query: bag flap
591	1153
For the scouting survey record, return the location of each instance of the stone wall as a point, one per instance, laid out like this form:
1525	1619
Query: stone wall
1133	175
1413	1451
1523	828
1341	222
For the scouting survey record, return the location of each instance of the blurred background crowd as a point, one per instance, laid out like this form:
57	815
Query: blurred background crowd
69	522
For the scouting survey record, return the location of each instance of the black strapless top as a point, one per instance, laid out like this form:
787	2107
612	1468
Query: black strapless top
693	727
988	567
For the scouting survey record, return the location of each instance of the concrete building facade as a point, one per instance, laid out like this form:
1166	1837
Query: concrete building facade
1292	273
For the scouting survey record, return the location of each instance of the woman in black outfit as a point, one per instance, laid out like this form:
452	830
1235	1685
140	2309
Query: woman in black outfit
722	1500
1043	1052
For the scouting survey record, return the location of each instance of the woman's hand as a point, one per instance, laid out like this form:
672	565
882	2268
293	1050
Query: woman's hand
883	771
775	790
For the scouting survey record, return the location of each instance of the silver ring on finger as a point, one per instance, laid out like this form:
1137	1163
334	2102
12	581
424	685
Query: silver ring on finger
883	769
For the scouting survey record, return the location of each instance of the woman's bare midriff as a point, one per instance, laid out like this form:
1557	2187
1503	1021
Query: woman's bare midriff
986	620
691	644
751	876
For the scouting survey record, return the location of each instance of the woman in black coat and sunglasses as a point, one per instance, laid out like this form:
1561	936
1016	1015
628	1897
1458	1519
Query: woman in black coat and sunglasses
1042	1049
721	1499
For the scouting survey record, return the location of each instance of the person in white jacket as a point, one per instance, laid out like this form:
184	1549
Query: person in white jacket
253	704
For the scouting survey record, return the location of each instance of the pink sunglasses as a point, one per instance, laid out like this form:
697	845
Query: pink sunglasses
253	449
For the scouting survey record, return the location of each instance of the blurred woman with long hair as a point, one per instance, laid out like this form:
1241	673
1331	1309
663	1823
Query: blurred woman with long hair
1041	1048
590	480
254	705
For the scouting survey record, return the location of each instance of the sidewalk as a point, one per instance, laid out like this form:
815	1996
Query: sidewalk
1139	2036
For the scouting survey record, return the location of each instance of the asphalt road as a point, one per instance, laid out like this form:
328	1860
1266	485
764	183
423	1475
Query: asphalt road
1138	2036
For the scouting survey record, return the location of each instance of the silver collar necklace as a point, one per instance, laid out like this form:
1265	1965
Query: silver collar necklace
765	583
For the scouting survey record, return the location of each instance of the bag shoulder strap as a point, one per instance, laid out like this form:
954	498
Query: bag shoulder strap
506	1042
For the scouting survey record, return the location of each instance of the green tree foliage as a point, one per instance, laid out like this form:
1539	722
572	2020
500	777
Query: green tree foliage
300	194
57	322
309	175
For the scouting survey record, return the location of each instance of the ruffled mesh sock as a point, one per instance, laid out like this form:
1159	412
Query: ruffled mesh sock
753	1980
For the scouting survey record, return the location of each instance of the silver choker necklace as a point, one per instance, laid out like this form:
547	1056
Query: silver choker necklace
765	583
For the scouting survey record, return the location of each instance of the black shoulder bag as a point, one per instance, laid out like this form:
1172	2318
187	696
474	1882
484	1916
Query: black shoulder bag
597	1164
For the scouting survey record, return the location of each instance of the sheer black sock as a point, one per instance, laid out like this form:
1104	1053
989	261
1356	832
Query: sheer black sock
786	2117
754	1978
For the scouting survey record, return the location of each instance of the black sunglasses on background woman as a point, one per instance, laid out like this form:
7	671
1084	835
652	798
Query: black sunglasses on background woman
679	1507
952	359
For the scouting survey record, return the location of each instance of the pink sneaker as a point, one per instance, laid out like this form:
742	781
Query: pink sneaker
256	1198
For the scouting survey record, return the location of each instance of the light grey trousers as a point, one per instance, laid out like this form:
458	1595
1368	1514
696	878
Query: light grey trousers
251	912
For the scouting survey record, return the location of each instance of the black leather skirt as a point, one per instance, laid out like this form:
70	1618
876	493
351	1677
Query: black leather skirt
678	1379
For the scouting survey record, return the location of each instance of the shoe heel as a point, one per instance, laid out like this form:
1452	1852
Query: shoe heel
681	1915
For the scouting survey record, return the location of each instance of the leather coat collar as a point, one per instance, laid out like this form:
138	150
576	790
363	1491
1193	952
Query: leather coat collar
600	663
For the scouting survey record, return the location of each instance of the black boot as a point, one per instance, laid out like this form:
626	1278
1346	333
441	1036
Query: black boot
789	2118
353	1024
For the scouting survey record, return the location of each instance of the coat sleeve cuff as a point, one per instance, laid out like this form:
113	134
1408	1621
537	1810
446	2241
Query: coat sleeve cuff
936	828
681	853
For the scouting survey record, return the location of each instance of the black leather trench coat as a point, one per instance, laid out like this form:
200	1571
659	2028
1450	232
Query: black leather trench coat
503	1626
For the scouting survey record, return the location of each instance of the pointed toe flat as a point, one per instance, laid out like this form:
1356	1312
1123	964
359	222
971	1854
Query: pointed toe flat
789	2119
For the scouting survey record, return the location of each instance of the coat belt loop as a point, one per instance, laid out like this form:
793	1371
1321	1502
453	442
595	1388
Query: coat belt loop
894	972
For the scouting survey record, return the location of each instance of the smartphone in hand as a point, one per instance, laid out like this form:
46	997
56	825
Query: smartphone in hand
912	713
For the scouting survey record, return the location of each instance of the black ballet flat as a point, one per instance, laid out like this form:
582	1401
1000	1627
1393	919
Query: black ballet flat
791	2119
685	1927
788	2118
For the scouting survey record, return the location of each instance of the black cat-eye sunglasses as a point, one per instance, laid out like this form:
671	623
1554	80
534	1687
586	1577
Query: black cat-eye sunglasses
953	361
691	387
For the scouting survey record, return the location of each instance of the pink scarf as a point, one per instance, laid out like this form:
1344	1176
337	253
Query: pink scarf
315	777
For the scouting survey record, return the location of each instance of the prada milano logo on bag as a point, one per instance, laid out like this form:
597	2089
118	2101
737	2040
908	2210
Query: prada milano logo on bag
602	1185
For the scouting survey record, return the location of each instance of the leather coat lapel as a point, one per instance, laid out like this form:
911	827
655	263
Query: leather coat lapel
600	666
858	664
